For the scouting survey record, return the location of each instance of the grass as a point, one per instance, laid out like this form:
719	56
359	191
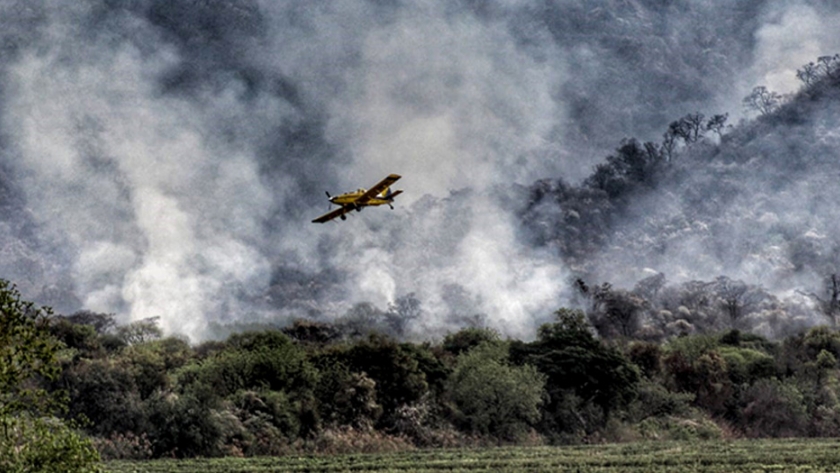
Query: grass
800	455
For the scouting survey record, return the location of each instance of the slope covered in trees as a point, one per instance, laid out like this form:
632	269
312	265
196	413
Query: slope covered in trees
730	226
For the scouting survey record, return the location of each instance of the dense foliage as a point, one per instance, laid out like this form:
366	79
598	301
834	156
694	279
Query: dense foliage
31	437
271	391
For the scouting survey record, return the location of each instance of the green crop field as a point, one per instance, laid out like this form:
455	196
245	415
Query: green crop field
801	455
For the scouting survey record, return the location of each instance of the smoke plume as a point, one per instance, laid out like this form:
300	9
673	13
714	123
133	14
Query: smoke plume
165	158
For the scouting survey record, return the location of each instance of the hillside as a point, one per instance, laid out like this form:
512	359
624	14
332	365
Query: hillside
752	205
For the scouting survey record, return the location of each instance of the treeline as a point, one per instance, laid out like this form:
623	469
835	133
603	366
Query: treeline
314	387
579	220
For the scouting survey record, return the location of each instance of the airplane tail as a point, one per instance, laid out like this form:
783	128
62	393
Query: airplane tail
389	195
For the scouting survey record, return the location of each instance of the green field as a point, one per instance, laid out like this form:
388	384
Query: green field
801	455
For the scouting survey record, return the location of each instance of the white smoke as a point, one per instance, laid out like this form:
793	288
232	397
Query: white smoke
793	34
159	212
449	102
172	152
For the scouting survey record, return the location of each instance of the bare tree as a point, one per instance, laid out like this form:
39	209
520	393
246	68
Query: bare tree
611	310
809	74
826	67
649	287
623	309
669	145
717	123
829	302
737	298
762	100
829	65
689	127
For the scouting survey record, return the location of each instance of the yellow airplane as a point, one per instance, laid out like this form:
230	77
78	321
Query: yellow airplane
380	194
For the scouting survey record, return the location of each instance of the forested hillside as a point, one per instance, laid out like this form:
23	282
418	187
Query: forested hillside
740	217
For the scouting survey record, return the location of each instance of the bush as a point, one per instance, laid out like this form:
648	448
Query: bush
126	446
44	445
30	439
773	409
183	426
347	398
349	440
256	360
392	366
468	338
493	397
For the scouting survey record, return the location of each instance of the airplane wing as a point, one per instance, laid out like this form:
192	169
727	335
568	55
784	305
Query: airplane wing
331	215
377	189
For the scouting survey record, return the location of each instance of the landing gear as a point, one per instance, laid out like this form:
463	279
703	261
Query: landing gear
344	217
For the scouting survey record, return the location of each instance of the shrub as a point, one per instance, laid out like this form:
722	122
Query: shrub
493	397
45	445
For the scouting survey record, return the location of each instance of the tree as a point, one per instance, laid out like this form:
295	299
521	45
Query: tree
689	128
621	310
361	320
809	74
634	164
104	393
586	380
402	312
28	353
140	331
612	311
829	65
773	409
736	298
669	145
102	323
183	426
468	338
717	123
829	301
396	371
31	439
762	100
346	397
311	332
267	359
494	397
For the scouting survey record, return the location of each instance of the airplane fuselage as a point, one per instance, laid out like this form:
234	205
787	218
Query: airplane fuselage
350	199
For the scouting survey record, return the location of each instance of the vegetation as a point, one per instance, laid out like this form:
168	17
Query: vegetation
31	437
268	393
